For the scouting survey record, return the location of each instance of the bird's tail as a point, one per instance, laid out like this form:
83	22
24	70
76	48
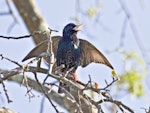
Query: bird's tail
63	88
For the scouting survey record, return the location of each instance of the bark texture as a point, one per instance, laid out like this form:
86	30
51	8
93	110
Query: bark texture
32	18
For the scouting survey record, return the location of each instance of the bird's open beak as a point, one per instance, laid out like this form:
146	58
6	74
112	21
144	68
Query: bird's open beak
76	28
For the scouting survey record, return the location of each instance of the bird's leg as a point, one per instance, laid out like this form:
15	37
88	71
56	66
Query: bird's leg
75	77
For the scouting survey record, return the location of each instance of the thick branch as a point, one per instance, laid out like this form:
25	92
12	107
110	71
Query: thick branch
76	98
6	110
32	18
71	104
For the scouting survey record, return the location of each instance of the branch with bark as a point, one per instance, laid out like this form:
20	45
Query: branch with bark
76	100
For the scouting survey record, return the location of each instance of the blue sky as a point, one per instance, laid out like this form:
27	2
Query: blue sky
57	14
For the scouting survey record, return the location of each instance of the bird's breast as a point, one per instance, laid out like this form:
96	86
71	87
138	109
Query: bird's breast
76	44
68	53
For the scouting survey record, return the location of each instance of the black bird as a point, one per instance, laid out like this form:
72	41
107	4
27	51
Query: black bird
70	51
69	48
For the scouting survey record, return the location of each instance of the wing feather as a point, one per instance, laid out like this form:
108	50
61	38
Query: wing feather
42	47
91	54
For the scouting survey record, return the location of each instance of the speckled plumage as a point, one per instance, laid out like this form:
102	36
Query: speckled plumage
68	51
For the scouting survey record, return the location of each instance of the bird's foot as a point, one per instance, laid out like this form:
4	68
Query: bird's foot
75	77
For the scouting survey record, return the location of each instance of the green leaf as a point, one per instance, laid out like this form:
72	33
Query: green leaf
132	81
93	10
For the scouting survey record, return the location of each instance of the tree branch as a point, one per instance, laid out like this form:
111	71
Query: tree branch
81	99
70	106
32	18
6	110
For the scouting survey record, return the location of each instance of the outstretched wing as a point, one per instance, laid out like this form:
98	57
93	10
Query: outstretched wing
91	54
42	47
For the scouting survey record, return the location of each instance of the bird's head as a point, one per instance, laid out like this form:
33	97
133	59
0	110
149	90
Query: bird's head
70	31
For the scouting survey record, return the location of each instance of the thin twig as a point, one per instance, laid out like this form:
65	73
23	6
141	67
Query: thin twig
100	110
98	90
4	57
5	90
42	105
21	37
118	103
134	29
15	20
50	53
108	85
4	13
29	90
123	30
45	93
106	99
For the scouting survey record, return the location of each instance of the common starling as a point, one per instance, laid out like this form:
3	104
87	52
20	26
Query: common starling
70	51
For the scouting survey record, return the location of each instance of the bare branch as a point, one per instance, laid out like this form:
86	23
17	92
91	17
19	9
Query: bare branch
50	51
10	12
46	93
71	106
32	18
118	103
146	110
123	30
42	105
5	90
4	57
6	110
134	29
76	88
76	95
21	37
